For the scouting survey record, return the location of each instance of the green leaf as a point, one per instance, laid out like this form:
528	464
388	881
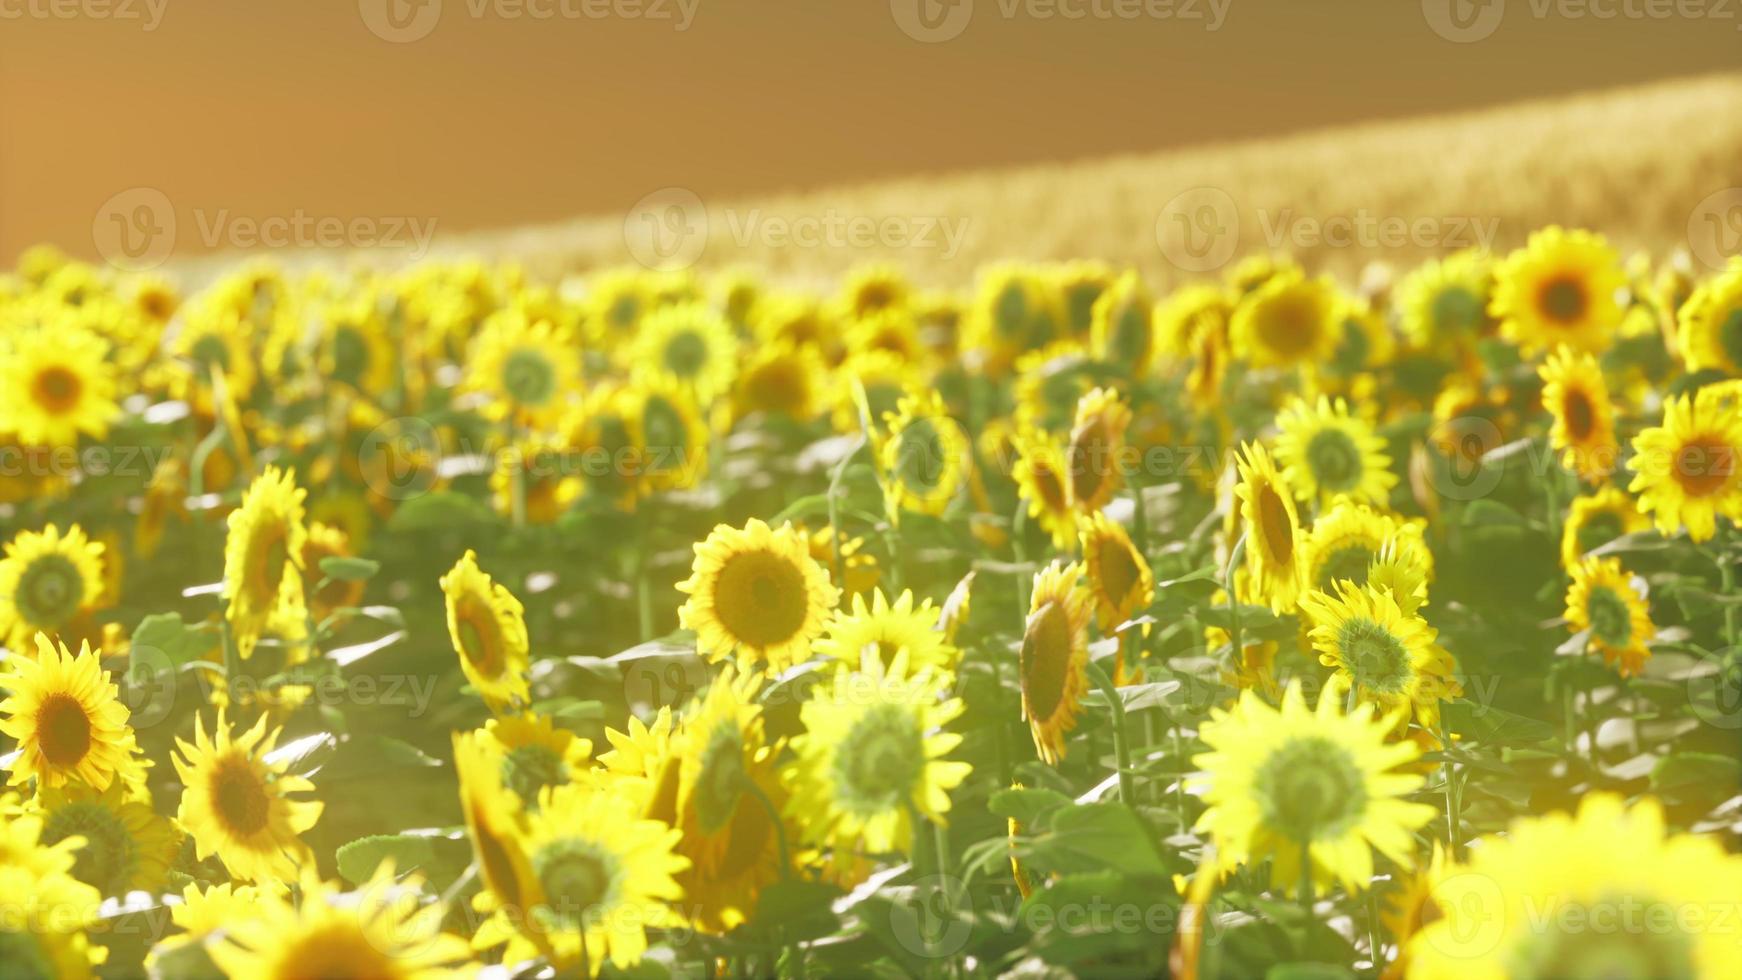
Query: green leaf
1093	917
439	511
1097	837
358	860
1697	777
802	909
1491	513
349	569
166	634
1026	806
1494	725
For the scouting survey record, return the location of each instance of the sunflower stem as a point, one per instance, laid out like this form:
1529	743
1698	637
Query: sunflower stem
1234	557
1373	935
643	584
517	483
755	791
835	510
1121	737
1453	804
1019	551
1727	585
1306	881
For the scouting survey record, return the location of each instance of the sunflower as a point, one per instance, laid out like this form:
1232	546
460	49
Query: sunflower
1532	902
236	804
1119	577
1560	288
873	289
1017	308
382	931
859	571
488	628
495	823
872	755
893	330
128	847
923	458
530	481
353	346
525	368
887	628
263	556
1685	469
48	914
602	433
1597	519
1287	322
1411	909
1054	657
1209	362
601	874
1276	780
1443	303
212	341
785	318
1604	601
1402	569
615	302
1271	529
1346	540
535	754
783	379
692	343
1096	451
68	719
1327	453
756	592
47	580
1363	635
1574	393
1179	315
200	915
1709	324
58	385
1122	326
644	763
1049	383
883	377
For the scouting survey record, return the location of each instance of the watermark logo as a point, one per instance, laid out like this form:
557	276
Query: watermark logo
927	923
148	14
1199	229
1715	227
135	229
398	458
400	21
668	229
1464	21
932	21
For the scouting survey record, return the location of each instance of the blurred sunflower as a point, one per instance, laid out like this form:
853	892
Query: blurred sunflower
1603	600
1576	396
892	330
1443	303
1327	452
1043	480
47	580
1119	578
1597	519
201	914
127	846
263	556
536	754
1016	309
602	432
1081	283
212	341
49	912
1344	541
692	343
56	384
883	377
756	592
871	289
526	369
487	625
615	302
1271	529
1709	324
1096	451
237	805
923	459
886	628
872	756
1180	315
1372	644
67	717
530	481
1286	783
1289	321
1055	656
782	379
1560	288
1685	469
1122	326
858	573
495	823
1048	384
353	346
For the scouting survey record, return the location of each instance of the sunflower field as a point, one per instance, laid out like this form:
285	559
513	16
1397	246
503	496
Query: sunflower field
450	622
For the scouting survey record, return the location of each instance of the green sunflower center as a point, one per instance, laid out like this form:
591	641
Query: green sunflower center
1310	788
109	858
50	591
1131	334
529	377
579	879
211	351
880	759
1730	337
761	598
1080	301
1046	660
1611	619
527	769
920	456
1354	348
1375	658
350	355
479	635
1334	459
63	730
56	390
1010	313
22	957
1345	562
1600	529
1457	310
623	313
1563	299
1613	937
686	354
721	781
612	441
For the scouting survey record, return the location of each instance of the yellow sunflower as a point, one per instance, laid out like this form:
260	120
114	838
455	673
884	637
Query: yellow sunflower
526	369
883	377
1709	324
874	288
532	481
382	931
1122	326
1685	469
1271	528
1346	540
692	343
213	341
1119	577
495	824
1604	600
67	717
601	433
47	580
1595	520
1533	902
887	628
1017	308
487	625
894	330
1049	383
128	847
859	572
354	348
756	592
1055	656
1327	452
58	384
1276	780
1287	322
873	754
44	933
536	753
201	914
1576	396
1362	634
1096	451
923	458
1443	303
263	556
237	805
1560	288
1179	315
783	379
615	302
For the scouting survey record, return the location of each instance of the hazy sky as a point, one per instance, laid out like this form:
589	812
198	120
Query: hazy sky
482	113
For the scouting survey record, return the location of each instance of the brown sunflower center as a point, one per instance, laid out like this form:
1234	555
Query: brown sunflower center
1117	570
761	598
1580	414
1046	659
1274	525
239	797
1563	299
1704	465
339	951
1050	487
57	390
270	552
779	386
495	860
1091	455
1290	327
1611	619
480	636
63	730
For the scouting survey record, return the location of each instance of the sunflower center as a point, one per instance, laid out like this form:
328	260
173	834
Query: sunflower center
1274	525
1091	455
1611	618
1131	334
761	598
56	389
527	769
1310	788
1050	487
1010	313
686	354
1335	460
1730	337
1580	415
109	857
529	377
63	730
340	951
494	858
1623	936
1563	299
1348	562
350	355
1598	530
613	442
1046	659
1703	465
1117	570
919	458
480	636
1456	309
721	781
1290	327
779	386
23	957
1376	659
880	759
578	879
211	351
270	551
623	313
50	591
239	797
